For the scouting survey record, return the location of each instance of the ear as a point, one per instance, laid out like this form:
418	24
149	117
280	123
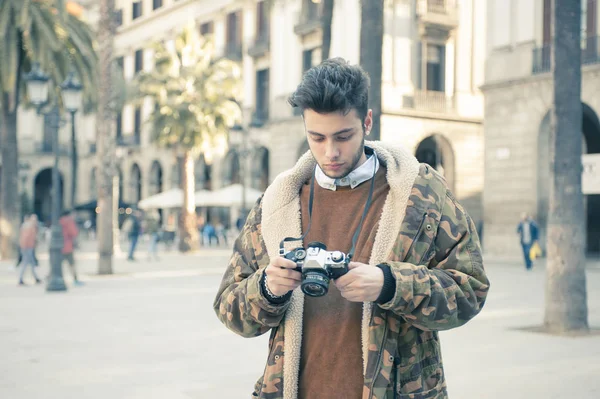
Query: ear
368	122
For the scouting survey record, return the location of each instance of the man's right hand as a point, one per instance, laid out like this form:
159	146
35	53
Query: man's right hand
281	277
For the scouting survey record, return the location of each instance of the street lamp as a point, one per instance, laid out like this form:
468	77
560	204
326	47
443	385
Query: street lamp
37	90
71	94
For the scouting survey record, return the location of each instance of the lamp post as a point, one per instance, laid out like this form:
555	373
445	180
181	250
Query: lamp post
37	90
71	93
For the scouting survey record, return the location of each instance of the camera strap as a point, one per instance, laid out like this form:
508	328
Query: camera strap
310	206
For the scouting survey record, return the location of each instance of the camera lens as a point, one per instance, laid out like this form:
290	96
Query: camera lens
315	283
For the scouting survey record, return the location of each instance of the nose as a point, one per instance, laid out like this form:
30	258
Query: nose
331	151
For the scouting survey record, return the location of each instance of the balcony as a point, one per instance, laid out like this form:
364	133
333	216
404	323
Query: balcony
430	101
46	148
260	45
233	51
128	140
542	61
437	18
309	20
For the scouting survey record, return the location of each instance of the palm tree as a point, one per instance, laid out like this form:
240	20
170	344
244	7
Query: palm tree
193	95
105	136
566	296
371	59
326	19
43	32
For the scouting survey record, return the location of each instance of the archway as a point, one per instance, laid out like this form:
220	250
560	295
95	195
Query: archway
590	127
135	181
231	168
260	168
156	178
437	152
42	197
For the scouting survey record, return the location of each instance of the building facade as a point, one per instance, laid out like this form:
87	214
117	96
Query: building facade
432	68
518	99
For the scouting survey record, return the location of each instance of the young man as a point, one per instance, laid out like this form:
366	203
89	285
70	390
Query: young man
417	267
528	234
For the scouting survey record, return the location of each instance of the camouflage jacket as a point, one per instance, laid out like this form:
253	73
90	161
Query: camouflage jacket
432	248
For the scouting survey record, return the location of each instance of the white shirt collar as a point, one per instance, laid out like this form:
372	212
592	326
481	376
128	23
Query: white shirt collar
359	175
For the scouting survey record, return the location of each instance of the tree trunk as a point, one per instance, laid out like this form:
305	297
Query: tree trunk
566	297
74	161
371	58
326	28
10	204
9	186
105	139
189	239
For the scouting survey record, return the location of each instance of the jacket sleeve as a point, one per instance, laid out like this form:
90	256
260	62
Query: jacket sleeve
452	289
240	304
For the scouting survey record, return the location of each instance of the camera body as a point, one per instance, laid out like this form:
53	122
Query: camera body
318	266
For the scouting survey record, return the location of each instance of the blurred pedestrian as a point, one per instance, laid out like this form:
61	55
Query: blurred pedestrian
209	233
152	227
27	243
70	232
135	229
528	234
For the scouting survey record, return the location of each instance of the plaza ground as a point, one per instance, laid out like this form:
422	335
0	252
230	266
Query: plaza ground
149	331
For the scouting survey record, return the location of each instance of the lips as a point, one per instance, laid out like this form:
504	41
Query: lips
334	166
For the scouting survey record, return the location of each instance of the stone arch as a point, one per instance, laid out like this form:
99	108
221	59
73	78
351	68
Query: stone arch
42	195
260	168
436	151
231	168
176	174
156	178
590	128
135	184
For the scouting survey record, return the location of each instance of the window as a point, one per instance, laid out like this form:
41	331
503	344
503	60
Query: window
139	61
262	20
435	69
156	4
262	95
119	17
234	31
120	64
310	58
119	129
207	28
137	124
312	10
136	10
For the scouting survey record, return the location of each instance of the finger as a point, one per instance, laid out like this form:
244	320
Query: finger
286	273
354	265
283	263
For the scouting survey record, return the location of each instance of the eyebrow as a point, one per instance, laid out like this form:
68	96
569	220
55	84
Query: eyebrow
347	130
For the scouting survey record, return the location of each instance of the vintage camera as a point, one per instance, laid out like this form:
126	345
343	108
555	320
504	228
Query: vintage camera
318	266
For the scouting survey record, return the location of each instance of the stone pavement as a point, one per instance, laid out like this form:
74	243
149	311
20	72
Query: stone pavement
149	331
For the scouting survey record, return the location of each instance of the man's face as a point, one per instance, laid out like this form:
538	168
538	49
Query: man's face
337	140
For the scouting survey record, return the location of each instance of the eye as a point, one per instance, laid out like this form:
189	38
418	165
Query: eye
317	139
343	138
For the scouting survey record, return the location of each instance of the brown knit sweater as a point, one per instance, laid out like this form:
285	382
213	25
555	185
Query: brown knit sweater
331	364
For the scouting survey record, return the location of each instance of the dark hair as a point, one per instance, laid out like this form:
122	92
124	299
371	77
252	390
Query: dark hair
66	212
333	86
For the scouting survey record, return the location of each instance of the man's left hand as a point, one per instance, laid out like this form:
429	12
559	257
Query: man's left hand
362	283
